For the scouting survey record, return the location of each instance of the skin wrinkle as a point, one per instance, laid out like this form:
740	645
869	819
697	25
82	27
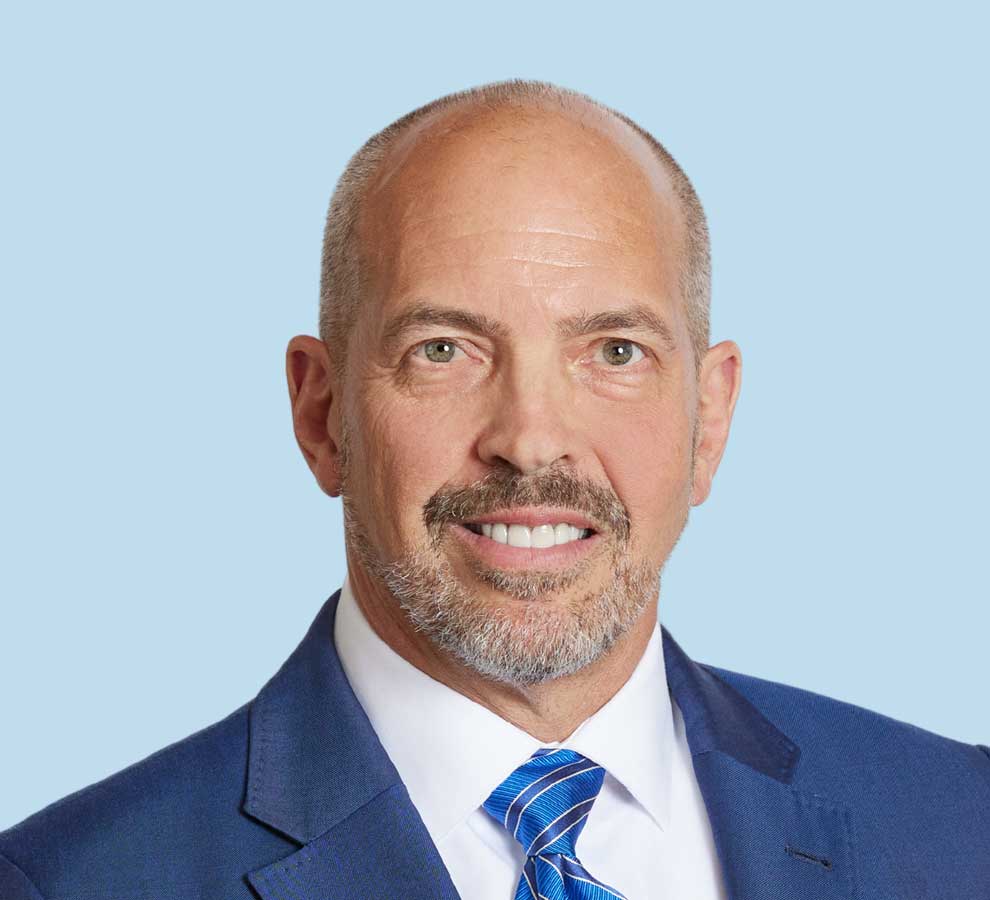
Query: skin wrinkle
539	251
520	231
531	228
542	262
530	417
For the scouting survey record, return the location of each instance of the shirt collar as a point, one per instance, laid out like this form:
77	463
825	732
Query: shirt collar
632	735
452	752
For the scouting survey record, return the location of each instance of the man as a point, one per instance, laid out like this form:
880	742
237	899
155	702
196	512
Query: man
514	396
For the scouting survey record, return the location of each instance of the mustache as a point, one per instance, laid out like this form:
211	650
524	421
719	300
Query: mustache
502	489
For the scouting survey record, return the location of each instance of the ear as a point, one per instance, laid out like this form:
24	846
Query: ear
719	381
311	393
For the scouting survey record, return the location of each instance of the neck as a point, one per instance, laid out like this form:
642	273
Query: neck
550	711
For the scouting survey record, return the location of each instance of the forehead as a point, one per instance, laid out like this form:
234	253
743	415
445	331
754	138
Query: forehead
574	203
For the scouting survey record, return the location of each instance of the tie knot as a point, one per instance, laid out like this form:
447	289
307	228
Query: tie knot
545	803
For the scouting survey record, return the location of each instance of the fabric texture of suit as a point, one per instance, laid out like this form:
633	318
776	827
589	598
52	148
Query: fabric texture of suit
291	797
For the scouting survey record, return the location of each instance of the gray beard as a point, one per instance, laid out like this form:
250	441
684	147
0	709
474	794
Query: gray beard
547	639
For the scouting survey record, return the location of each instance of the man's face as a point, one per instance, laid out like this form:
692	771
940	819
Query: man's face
488	396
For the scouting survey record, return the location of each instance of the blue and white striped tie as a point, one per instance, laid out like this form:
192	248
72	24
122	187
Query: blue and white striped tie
544	804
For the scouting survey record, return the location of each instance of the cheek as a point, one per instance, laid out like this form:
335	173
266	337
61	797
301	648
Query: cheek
408	452
647	459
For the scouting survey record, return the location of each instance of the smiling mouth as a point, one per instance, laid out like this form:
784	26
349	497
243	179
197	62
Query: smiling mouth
536	537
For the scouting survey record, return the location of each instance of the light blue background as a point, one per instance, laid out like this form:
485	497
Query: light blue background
166	177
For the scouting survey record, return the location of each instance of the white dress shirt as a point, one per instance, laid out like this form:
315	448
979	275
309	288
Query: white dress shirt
648	834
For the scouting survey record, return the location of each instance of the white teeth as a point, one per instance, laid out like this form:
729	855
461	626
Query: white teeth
540	536
520	536
543	536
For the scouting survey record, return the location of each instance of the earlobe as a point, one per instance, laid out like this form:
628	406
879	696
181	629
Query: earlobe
311	395
718	389
701	483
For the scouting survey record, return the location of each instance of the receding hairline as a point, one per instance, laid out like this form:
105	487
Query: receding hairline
341	279
474	113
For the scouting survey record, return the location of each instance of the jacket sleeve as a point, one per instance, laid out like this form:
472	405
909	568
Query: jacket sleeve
14	884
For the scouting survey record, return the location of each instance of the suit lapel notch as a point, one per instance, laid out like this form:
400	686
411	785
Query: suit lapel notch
717	717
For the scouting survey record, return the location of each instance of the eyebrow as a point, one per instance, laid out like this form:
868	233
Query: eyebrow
426	314
637	317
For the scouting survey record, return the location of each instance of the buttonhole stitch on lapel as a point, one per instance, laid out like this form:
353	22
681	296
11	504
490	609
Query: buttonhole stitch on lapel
808	857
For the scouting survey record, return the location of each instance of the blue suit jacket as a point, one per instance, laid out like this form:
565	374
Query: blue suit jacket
292	797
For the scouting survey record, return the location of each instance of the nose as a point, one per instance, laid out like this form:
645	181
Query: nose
530	425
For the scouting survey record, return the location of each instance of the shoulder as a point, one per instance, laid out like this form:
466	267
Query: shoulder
146	821
863	757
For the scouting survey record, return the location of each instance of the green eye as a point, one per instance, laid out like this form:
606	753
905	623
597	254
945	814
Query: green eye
619	352
439	351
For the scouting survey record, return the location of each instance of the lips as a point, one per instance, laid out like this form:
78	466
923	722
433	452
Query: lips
522	557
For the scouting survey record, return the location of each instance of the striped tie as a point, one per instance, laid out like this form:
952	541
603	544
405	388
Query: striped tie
544	804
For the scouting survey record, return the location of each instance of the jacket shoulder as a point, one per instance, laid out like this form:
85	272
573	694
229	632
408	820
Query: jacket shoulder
852	753
175	804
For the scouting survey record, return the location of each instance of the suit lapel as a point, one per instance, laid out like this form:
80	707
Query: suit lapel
773	840
318	774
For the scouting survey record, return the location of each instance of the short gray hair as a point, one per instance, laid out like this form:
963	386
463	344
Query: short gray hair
341	280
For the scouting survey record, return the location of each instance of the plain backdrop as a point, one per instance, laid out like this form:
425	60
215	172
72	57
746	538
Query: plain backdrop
165	179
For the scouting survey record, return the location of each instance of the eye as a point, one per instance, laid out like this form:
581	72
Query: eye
438	350
620	352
